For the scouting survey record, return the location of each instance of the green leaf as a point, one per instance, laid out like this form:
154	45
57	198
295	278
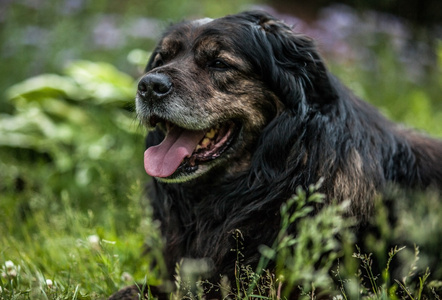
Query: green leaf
102	81
44	86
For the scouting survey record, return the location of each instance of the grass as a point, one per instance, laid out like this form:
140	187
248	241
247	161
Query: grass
71	256
73	218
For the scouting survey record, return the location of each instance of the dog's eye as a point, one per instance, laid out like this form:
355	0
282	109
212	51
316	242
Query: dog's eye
218	65
158	63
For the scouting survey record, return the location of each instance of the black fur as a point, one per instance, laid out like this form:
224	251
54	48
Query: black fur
322	131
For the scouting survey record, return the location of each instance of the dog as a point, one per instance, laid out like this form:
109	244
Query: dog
241	111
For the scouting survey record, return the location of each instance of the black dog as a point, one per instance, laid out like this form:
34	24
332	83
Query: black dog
242	111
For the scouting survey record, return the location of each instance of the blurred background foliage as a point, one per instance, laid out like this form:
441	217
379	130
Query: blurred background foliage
71	148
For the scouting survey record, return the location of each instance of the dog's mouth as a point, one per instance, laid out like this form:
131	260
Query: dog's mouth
184	150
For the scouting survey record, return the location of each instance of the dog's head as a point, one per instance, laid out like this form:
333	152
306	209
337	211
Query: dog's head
213	89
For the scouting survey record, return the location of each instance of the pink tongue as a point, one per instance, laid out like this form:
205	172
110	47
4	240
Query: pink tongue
164	159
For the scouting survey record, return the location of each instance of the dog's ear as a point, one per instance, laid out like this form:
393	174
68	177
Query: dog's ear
298	69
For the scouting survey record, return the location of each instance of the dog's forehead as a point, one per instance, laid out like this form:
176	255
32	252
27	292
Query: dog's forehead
204	33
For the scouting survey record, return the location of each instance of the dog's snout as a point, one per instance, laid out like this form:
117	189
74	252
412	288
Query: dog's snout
154	86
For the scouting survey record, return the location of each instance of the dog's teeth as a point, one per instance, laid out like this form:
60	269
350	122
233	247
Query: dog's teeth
211	133
205	143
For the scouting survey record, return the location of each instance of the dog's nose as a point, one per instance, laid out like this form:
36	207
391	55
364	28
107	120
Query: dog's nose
154	86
